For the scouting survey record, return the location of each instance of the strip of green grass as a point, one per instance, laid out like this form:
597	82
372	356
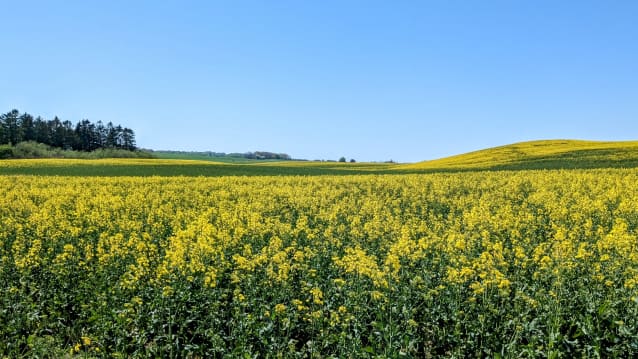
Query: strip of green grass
218	170
203	157
170	168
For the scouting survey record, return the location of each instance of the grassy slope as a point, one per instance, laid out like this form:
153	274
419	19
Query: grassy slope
547	154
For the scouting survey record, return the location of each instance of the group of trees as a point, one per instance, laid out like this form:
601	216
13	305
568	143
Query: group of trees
262	155
258	155
82	136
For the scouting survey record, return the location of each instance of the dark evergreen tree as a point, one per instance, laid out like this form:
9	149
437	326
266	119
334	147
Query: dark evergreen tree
83	132
11	130
4	139
41	131
128	139
69	138
119	141
111	136
28	127
57	132
100	134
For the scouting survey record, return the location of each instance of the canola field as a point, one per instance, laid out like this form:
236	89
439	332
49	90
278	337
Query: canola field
473	264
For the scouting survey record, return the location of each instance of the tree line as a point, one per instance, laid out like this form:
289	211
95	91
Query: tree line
258	155
16	127
261	155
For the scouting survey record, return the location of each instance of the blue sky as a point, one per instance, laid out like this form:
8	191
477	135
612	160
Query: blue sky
370	80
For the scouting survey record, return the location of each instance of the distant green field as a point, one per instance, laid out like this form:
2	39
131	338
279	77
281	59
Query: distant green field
202	157
168	168
554	154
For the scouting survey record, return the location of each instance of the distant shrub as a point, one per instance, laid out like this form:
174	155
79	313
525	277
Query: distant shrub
30	149
6	151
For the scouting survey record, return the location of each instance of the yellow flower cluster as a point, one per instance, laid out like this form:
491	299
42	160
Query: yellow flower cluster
310	246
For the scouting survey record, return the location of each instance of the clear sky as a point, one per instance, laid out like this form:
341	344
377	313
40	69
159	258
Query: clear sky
370	80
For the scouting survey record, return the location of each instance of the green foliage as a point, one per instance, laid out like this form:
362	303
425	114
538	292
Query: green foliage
35	150
31	149
6	151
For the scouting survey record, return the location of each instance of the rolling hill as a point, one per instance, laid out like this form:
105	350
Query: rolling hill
544	154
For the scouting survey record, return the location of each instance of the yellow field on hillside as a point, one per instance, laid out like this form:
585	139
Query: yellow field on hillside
534	150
